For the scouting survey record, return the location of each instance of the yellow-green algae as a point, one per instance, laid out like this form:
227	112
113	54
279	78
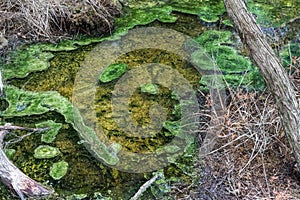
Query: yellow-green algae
141	102
112	72
49	135
46	151
66	146
236	69
150	88
59	170
36	103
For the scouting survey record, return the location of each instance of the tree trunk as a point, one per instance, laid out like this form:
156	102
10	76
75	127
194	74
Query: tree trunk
275	76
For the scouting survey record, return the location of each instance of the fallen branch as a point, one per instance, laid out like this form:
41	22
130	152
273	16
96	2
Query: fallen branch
144	187
14	178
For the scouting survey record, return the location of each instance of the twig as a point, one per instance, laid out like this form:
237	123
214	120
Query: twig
9	127
144	187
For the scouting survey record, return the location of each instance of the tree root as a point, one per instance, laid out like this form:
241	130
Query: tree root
14	178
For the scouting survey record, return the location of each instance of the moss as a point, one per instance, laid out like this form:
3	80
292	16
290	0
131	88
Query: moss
51	132
45	151
58	170
112	72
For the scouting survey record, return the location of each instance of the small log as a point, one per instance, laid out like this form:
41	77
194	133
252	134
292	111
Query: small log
14	178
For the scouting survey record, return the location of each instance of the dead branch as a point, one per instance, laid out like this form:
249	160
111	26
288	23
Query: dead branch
144	187
14	178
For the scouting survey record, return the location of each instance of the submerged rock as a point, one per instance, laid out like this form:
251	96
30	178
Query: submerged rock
45	151
59	170
112	72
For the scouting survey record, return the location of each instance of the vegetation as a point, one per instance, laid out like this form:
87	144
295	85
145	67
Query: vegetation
50	19
251	159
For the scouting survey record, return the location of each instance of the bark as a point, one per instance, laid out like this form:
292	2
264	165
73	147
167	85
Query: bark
275	76
14	178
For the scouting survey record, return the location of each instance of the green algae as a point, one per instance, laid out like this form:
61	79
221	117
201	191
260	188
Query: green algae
112	72
208	11
144	12
26	60
51	132
58	170
150	88
10	153
227	61
141	13
137	16
46	151
37	103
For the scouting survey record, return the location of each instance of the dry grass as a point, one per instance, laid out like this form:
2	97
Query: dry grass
49	19
251	158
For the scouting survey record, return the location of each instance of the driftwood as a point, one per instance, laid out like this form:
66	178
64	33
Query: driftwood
14	178
271	69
